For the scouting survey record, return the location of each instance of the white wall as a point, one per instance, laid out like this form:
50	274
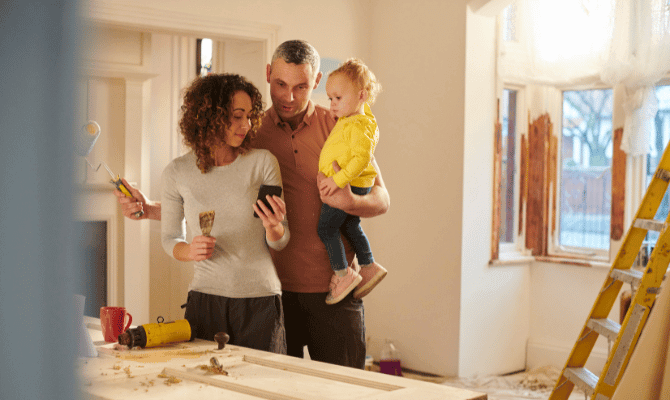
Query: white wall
494	299
563	296
335	28
169	278
418	53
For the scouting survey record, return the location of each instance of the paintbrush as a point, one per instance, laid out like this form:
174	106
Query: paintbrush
206	222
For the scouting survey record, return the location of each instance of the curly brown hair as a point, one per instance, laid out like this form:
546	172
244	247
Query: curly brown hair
206	113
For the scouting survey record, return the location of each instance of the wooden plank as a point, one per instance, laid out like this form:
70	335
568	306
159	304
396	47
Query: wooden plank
649	224
497	187
537	202
375	384
523	182
228	384
553	176
583	378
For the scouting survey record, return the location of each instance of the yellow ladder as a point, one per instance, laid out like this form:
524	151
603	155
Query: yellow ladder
648	285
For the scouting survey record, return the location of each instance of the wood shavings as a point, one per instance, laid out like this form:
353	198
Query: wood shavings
213	370
215	367
169	379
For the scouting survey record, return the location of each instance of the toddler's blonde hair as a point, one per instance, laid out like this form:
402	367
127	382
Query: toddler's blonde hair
361	76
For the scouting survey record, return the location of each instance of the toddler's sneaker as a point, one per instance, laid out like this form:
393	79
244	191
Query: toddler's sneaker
372	275
340	287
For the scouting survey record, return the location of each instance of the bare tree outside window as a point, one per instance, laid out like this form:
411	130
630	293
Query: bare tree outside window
586	179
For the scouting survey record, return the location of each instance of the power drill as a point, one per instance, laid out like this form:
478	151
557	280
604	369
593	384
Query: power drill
152	335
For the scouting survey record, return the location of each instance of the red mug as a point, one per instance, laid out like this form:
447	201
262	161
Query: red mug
112	322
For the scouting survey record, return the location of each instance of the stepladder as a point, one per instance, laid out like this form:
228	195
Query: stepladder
646	284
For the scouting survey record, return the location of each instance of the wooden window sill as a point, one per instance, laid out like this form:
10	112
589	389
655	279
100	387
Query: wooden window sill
512	259
581	262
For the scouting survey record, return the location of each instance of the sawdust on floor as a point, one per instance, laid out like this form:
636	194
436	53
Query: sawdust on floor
534	384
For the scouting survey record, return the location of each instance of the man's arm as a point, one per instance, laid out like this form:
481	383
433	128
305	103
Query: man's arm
375	203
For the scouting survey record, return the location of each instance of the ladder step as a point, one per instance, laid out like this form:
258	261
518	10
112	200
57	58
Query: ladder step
583	378
631	276
605	327
649	224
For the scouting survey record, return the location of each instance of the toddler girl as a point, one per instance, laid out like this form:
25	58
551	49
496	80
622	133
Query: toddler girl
351	89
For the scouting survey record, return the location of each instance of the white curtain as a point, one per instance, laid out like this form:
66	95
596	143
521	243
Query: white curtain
637	58
570	42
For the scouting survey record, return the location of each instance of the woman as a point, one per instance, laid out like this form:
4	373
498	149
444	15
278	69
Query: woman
235	288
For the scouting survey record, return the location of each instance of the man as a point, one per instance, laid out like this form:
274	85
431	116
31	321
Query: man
294	129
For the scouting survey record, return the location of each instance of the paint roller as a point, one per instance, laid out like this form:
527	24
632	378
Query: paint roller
85	139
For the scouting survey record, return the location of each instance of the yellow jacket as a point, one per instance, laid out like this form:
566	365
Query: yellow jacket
351	143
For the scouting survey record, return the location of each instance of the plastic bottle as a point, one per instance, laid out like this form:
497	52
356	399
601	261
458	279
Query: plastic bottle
389	362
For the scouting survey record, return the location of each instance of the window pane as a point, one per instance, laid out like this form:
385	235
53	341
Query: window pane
205	56
659	140
586	178
509	23
508	192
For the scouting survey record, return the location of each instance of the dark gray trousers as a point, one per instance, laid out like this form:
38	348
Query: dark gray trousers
256	323
332	333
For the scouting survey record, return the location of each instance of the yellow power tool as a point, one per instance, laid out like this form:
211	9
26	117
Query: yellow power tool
152	335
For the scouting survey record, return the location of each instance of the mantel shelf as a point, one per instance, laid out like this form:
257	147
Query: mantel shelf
104	71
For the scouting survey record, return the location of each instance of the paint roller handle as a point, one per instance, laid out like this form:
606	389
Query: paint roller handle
138	201
122	188
130	199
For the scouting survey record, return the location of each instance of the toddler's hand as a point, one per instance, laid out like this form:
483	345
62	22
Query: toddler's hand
327	186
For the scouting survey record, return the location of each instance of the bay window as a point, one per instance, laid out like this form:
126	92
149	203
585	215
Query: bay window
599	121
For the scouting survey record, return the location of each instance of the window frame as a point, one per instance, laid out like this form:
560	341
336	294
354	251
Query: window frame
516	245
514	251
554	247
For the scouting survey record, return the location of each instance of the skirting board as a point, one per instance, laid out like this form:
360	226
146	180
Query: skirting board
543	354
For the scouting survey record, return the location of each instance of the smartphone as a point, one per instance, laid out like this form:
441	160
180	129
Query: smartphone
268	190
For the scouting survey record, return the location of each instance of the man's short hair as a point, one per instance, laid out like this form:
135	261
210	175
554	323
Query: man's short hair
298	52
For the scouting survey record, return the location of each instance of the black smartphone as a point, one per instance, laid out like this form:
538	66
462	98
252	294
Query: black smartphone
268	190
